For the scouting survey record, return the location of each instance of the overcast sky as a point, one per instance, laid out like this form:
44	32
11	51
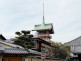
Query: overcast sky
17	15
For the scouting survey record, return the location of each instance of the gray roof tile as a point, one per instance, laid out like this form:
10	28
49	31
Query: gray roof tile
34	52
20	51
76	41
15	51
10	44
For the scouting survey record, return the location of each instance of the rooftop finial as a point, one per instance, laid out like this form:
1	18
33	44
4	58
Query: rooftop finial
43	8
43	23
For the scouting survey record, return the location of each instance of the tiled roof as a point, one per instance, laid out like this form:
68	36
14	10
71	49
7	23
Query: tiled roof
34	52
15	51
40	27
8	41
10	44
76	41
20	51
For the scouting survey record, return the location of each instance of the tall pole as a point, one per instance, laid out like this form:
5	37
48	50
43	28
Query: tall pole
43	8
43	23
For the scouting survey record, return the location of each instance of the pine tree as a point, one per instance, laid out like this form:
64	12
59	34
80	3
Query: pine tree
24	39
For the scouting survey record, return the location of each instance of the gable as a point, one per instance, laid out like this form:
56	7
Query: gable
9	45
76	41
2	37
5	45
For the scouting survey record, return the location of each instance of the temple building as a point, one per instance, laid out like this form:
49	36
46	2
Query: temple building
44	30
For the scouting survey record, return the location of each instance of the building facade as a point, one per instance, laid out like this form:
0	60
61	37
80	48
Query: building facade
42	46
44	31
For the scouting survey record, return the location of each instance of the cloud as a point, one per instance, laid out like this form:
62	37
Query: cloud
17	15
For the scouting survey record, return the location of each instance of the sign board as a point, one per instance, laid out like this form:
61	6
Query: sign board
43	55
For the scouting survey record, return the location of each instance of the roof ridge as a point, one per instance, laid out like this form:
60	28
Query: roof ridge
73	40
45	24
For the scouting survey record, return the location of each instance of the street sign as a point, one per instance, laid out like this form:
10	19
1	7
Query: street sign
43	55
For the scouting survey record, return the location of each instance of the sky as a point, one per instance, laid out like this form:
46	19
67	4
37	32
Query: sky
17	15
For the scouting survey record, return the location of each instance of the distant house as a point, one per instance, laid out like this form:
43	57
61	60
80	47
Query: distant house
75	46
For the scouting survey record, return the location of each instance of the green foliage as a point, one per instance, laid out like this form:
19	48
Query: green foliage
24	39
18	33
61	50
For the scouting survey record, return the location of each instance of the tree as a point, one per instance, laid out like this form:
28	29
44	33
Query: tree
24	39
60	50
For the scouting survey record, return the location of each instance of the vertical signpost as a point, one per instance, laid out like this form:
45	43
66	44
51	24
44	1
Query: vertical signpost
43	55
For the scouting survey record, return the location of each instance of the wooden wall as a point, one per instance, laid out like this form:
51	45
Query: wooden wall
29	58
26	58
11	59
